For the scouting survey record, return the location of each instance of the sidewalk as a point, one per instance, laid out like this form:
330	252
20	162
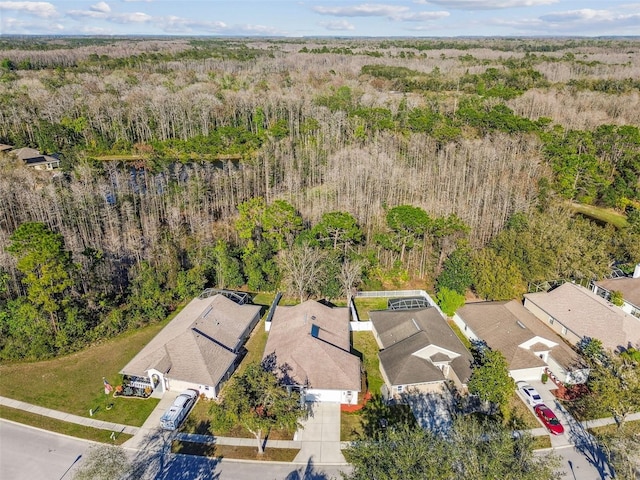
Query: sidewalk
67	417
319	439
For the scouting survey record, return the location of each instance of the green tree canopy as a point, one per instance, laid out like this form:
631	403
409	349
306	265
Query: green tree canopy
408	224
338	230
256	400
457	272
281	223
490	378
614	382
555	244
470	449
46	267
496	278
449	300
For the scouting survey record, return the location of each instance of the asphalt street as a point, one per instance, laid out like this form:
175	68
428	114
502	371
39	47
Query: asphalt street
28	453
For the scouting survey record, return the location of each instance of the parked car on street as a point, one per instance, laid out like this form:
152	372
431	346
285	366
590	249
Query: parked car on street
546	415
530	394
177	412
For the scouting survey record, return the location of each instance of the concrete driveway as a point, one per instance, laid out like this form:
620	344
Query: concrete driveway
579	452
151	436
320	437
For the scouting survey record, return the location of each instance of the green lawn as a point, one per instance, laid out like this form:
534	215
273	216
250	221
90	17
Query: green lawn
465	341
521	417
365	346
73	383
630	428
601	214
59	426
365	304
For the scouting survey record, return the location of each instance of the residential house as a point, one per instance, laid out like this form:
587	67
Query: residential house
575	312
310	346
629	287
199	349
33	158
419	351
530	347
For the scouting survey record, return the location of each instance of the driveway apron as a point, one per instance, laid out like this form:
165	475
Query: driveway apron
320	437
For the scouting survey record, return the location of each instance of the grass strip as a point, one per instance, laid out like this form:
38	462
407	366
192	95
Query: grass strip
600	214
65	428
235	452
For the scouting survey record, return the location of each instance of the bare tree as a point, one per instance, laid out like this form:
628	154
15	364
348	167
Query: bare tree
303	269
350	276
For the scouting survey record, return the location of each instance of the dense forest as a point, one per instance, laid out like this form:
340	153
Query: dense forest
311	166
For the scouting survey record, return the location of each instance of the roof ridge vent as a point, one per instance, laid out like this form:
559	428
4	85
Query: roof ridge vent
415	324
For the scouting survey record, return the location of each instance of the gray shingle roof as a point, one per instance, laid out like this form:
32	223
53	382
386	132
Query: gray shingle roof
629	287
196	346
403	333
589	315
506	325
323	361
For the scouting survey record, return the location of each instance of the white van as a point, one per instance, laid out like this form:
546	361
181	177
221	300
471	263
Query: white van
173	417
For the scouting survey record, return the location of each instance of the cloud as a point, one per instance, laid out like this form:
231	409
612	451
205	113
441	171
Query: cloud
422	16
39	9
486	4
132	1
392	12
174	24
363	10
22	26
101	13
338	26
101	7
584	21
80	14
134	17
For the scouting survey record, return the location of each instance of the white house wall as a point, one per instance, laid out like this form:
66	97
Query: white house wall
464	328
338	396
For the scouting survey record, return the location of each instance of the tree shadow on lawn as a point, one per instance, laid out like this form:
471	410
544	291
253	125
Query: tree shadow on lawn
378	415
586	444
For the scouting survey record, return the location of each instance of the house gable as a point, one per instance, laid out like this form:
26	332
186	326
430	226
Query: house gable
435	353
542	342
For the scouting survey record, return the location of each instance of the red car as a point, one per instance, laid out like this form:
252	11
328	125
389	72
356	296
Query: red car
549	419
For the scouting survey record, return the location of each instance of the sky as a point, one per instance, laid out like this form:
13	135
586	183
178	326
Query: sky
300	18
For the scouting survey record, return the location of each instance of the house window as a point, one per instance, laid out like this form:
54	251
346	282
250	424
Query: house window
400	388
551	320
564	330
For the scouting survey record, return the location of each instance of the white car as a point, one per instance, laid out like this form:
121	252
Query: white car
182	405
530	394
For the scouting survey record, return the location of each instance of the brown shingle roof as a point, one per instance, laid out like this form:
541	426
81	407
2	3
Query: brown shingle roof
26	153
403	333
589	315
506	325
196	346
322	361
